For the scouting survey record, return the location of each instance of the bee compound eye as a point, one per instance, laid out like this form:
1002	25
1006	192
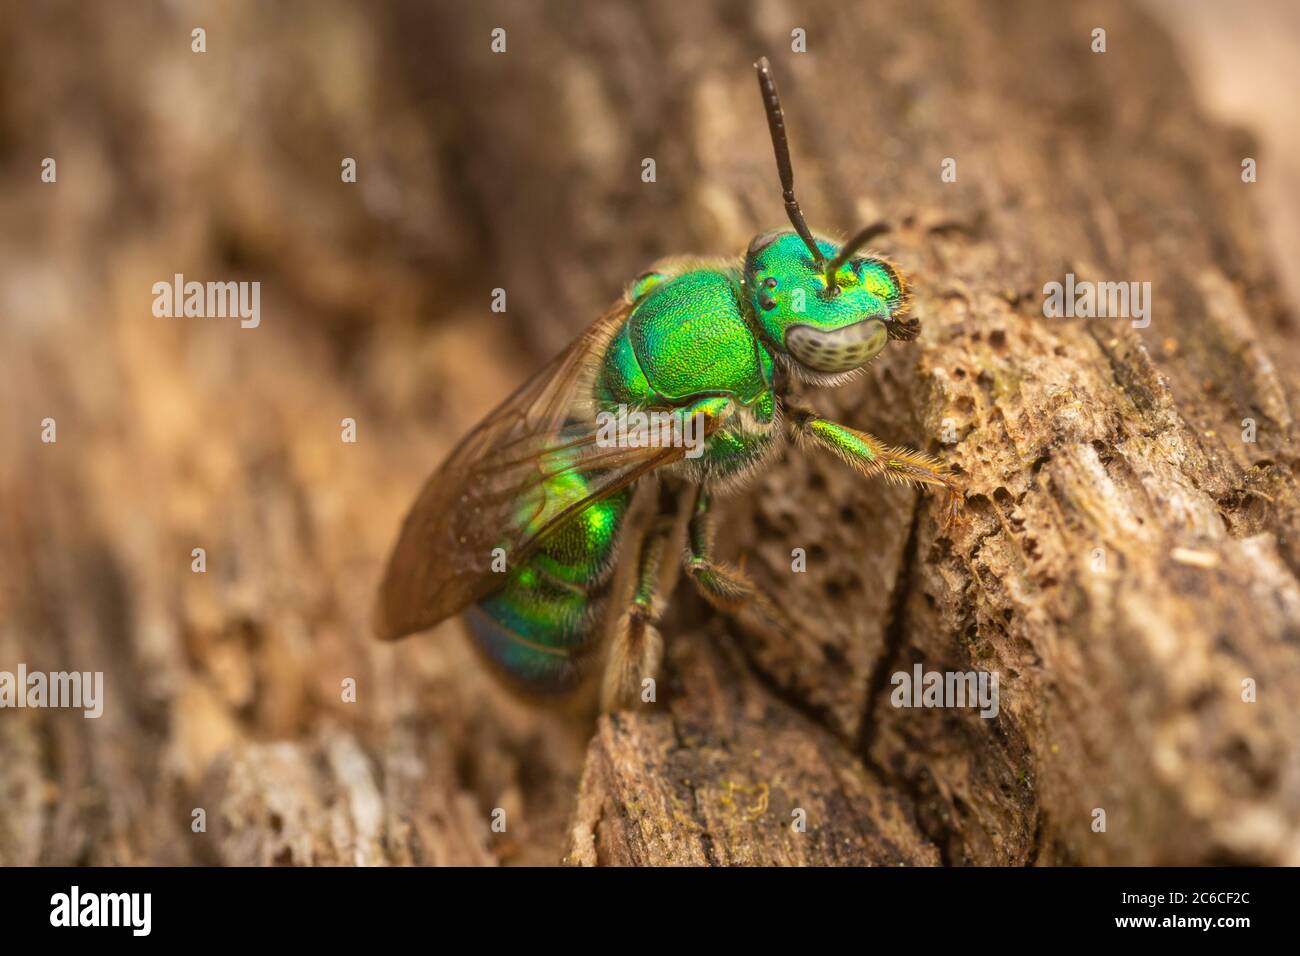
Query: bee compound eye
762	241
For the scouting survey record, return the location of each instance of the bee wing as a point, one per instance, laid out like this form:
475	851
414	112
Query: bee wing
505	486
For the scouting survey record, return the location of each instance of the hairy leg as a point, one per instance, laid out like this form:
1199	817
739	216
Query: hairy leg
872	457
725	587
636	647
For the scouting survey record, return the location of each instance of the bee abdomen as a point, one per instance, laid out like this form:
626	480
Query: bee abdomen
542	628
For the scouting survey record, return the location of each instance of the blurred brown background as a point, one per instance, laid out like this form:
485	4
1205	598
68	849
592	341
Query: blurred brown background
523	171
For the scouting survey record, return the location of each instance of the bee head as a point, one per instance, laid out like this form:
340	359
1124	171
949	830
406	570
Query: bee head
829	316
825	308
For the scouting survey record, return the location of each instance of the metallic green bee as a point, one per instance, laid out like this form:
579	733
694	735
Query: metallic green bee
522	526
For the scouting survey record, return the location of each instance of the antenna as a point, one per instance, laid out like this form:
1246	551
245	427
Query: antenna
864	236
776	125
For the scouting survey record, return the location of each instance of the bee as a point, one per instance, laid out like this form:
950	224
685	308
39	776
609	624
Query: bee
522	527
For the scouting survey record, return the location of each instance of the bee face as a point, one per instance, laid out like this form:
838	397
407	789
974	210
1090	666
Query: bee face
836	350
824	330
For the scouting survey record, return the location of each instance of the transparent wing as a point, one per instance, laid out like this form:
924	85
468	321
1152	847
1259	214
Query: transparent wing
527	468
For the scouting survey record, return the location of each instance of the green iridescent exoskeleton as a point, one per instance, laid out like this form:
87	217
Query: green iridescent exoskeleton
678	393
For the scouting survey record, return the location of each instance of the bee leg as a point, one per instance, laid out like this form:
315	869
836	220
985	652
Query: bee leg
636	648
872	457
725	587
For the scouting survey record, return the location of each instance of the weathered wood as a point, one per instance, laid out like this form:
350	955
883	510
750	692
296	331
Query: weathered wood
1125	562
730	775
